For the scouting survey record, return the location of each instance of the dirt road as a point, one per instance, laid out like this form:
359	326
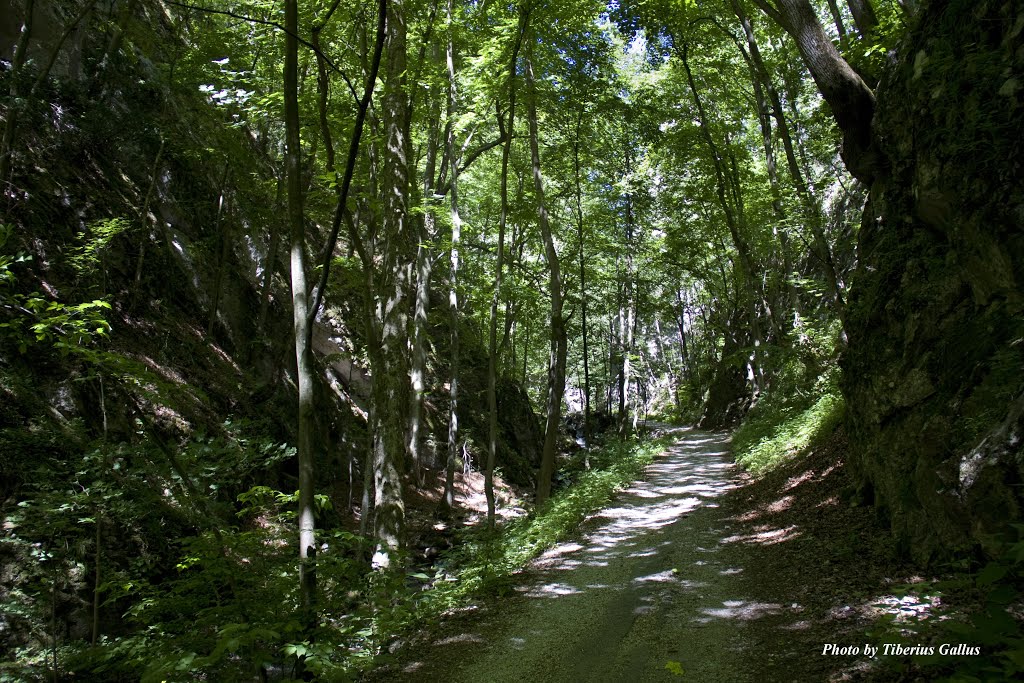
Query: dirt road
654	588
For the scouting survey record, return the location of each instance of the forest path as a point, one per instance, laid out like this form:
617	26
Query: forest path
656	582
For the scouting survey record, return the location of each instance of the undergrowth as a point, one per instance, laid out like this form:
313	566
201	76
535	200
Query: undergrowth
486	561
778	428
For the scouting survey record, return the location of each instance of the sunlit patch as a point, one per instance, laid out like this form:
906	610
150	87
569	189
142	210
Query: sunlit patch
169	374
911	607
643	493
828	502
830	469
781	504
460	638
731	570
225	357
764	535
793	482
661	577
741	610
552	590
801	625
559	550
749	516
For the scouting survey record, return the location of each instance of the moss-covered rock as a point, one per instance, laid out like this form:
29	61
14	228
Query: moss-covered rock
935	319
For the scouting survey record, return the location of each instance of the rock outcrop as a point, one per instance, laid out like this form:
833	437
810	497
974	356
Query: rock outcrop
933	374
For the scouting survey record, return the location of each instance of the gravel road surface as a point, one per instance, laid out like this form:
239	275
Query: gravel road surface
651	589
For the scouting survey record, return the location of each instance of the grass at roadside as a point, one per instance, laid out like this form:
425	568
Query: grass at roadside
484	563
773	434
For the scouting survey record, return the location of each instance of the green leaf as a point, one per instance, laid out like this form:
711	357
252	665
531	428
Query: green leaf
675	668
991	573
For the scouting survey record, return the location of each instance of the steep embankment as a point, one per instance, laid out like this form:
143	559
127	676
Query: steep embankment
933	371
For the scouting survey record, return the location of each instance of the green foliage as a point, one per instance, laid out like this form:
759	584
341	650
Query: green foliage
777	429
485	562
32	319
96	239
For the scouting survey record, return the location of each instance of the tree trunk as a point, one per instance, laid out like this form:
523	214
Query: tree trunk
144	222
17	62
556	361
734	220
225	250
391	392
583	280
453	291
837	18
96	581
863	16
492	363
424	270
814	216
851	100
761	81
303	353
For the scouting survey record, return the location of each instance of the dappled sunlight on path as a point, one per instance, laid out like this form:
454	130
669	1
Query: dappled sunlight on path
654	582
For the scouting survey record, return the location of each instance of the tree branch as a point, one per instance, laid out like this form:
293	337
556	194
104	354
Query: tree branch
262	22
341	212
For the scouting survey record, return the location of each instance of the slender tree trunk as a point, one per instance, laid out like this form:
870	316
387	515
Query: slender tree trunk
424	270
814	215
144	221
303	353
690	362
864	16
17	62
556	361
812	210
453	291
71	27
627	315
225	246
837	18
583	280
424	259
674	377
127	8
391	393
96	582
762	83
270	263
492	363
733	219
909	6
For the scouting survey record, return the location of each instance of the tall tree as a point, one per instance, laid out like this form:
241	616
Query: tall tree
492	363
392	304
557	338
453	276
300	316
